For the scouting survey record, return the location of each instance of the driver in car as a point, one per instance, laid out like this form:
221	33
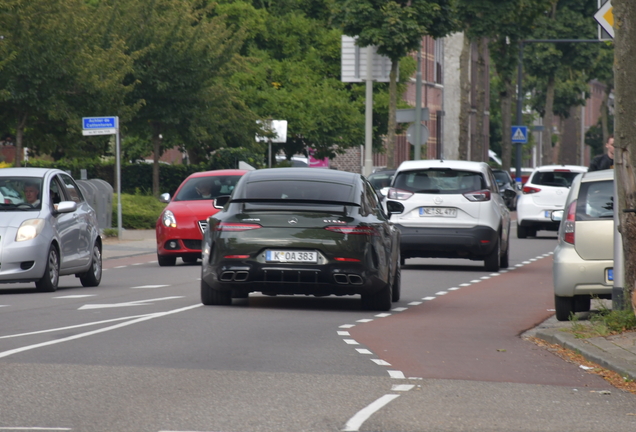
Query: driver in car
32	194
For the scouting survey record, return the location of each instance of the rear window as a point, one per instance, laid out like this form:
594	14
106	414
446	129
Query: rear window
554	178
439	181
502	177
595	201
380	180
207	188
298	190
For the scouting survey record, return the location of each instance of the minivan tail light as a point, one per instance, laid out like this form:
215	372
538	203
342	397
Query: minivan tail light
530	190
236	227
357	230
399	194
478	196
569	223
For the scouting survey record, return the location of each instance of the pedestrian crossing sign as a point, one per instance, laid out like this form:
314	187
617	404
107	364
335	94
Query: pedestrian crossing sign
520	134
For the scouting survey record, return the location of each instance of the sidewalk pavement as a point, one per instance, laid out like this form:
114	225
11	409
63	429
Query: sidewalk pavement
616	353
130	243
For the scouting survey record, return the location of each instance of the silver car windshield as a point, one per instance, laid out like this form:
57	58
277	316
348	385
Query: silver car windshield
20	193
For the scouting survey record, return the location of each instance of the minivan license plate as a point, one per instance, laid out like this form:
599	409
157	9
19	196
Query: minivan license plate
610	274
291	256
438	212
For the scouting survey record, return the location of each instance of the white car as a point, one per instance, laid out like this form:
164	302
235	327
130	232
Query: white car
544	192
450	209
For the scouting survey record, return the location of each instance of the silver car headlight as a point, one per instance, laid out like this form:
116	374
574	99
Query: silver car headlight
29	229
168	219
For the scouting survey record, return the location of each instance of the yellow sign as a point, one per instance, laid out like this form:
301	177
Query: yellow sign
605	17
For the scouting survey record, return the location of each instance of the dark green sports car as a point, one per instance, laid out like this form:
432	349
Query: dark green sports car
301	231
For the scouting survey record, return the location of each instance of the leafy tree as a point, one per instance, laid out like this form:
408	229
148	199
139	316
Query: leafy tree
396	27
505	23
54	71
294	75
625	139
562	70
183	57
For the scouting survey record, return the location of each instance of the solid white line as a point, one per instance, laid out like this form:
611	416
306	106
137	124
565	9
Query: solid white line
94	332
361	416
35	428
75	326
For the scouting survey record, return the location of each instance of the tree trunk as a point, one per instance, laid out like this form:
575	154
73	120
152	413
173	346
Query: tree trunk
478	151
19	139
156	154
548	117
464	83
505	98
625	136
390	136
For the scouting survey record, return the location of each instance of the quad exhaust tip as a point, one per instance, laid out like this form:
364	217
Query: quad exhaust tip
347	279
234	276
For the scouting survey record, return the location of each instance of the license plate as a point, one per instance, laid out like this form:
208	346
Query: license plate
291	256
547	214
438	212
610	274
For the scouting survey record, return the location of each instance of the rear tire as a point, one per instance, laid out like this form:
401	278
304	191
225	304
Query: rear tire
166	261
214	297
379	300
504	261
51	276
492	260
564	307
522	232
93	276
396	288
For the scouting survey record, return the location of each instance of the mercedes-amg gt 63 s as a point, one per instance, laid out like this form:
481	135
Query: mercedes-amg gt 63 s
287	231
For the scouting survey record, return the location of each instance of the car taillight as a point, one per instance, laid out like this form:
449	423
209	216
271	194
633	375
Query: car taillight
569	224
399	194
530	190
358	230
234	227
478	196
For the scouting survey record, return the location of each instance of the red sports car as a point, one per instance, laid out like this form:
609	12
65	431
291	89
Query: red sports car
181	225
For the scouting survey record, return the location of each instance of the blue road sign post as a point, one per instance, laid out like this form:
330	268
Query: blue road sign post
519	134
92	126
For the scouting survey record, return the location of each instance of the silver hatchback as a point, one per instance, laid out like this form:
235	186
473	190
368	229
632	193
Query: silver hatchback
584	256
47	229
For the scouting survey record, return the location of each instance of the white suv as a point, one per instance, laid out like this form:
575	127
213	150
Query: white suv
544	192
450	209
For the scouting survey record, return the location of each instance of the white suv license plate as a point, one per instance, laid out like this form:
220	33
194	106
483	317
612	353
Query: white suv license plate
438	212
291	256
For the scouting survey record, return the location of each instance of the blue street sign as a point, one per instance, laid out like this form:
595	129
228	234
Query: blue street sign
520	134
99	122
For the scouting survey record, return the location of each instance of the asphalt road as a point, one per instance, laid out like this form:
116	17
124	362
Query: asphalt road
140	353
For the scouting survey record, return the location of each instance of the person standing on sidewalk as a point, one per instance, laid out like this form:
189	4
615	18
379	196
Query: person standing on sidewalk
606	160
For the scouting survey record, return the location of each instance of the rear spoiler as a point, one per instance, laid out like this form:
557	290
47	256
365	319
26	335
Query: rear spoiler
265	204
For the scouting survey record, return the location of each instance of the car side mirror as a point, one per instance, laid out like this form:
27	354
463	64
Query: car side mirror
65	207
164	198
394	207
556	215
220	202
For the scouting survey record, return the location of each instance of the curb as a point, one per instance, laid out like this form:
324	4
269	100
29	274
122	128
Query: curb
590	351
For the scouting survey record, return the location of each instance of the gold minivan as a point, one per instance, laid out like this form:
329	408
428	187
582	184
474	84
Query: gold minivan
584	256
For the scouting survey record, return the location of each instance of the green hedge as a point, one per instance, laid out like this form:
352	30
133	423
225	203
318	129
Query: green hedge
138	211
137	177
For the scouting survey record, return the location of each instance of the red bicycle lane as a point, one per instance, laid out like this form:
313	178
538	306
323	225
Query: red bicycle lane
473	333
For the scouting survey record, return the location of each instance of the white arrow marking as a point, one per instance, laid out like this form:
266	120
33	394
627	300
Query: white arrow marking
127	304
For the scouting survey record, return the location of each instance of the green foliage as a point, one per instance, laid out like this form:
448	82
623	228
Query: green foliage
604	322
138	211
